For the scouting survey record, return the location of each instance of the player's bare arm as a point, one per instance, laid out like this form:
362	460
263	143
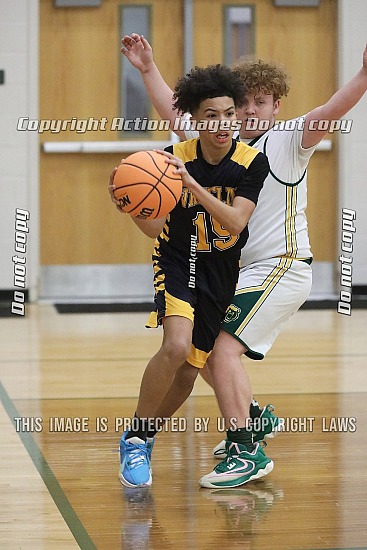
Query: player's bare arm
233	218
140	54
150	228
337	106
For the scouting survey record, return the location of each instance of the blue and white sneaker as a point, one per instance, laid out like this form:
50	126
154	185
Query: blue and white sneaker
134	463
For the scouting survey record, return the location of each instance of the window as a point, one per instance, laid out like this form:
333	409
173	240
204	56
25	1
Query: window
134	102
239	34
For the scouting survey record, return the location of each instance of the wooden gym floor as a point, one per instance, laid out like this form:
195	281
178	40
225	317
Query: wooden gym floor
62	374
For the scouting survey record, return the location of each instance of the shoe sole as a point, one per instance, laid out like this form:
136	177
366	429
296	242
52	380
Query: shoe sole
260	473
126	483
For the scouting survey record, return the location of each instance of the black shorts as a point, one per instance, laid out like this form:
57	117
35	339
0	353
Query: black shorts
201	293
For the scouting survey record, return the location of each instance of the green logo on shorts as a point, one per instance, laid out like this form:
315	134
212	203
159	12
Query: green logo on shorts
232	314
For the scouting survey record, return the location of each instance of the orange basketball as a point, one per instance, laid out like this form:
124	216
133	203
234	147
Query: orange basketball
146	186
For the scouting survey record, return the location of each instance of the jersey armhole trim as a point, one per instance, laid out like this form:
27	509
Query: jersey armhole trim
288	184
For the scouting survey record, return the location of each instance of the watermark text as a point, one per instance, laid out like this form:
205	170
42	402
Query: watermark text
346	261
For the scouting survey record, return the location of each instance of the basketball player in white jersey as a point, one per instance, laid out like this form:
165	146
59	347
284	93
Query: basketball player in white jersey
275	277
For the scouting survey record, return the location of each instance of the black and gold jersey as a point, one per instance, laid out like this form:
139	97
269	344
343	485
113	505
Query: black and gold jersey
189	228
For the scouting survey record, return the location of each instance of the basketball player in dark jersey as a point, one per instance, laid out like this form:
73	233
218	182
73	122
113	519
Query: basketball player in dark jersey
196	255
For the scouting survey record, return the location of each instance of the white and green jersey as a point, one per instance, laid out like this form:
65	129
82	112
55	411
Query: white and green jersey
278	226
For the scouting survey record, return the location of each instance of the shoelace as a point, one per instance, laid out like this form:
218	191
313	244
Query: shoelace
221	467
233	451
137	457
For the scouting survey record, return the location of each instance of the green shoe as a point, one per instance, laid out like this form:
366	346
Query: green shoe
238	468
266	426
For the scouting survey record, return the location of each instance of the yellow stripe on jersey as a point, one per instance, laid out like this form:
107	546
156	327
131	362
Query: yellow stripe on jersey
159	277
165	231
197	357
265	288
283	261
290	225
186	150
244	154
164	236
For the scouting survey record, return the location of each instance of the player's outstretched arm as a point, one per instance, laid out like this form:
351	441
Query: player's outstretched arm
150	228
140	54
337	106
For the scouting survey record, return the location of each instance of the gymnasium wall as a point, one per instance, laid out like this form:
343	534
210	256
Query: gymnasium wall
79	44
353	147
85	245
18	150
78	225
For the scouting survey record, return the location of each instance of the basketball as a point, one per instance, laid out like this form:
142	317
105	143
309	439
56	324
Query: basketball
146	186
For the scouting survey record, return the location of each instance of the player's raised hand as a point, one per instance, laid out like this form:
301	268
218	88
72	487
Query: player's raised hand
138	51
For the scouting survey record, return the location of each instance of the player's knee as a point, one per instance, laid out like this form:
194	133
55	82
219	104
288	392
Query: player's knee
176	351
226	346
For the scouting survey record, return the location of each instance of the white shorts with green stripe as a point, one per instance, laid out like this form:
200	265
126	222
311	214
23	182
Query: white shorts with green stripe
268	294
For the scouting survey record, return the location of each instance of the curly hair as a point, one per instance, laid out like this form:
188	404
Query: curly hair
206	83
260	75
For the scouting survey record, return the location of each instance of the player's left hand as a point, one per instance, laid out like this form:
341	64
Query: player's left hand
111	188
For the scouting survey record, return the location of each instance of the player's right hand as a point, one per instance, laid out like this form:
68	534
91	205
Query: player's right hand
138	51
